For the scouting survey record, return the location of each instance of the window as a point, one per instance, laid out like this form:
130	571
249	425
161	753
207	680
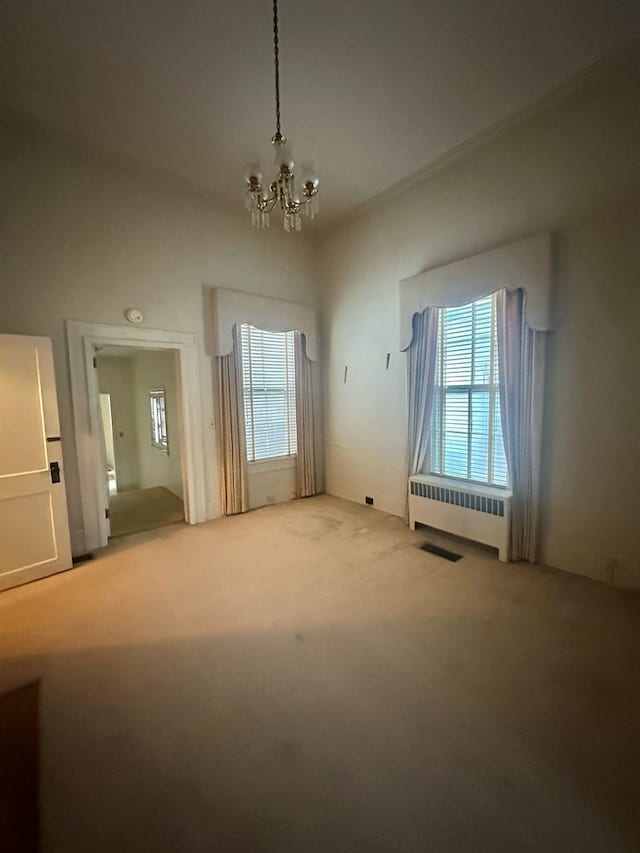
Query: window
466	428
157	405
269	383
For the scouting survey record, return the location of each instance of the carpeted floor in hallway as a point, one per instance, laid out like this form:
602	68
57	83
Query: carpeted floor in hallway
304	679
143	509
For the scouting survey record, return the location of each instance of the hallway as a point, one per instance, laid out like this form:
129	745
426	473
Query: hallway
143	509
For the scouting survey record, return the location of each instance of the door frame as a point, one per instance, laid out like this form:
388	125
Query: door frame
82	340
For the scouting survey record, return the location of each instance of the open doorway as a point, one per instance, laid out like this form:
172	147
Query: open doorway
141	438
85	341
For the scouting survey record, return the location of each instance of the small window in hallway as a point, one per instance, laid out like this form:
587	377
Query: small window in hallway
158	412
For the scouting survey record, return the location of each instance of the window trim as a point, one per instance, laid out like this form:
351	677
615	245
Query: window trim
274	463
477	483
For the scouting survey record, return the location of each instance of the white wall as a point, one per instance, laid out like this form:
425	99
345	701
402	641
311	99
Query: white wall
115	377
151	370
84	239
574	169
271	481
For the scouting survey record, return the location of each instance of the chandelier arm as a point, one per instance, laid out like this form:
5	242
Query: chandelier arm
266	205
289	203
292	206
307	198
276	62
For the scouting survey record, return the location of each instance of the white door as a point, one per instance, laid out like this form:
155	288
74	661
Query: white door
34	528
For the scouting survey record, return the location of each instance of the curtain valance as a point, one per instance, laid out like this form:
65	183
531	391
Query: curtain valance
524	264
234	307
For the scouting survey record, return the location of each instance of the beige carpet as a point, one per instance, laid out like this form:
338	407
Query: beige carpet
143	509
303	679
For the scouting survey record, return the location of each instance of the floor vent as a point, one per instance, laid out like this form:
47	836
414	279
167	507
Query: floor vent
441	552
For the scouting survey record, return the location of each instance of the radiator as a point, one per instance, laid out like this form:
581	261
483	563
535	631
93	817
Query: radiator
480	513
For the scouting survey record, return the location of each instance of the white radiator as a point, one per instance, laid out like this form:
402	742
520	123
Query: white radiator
477	512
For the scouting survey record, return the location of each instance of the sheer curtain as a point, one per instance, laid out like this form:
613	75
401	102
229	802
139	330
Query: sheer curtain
306	472
233	456
521	359
421	374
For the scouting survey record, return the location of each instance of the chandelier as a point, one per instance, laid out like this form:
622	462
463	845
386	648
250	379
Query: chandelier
282	190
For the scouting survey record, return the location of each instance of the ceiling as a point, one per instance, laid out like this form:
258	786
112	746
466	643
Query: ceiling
372	92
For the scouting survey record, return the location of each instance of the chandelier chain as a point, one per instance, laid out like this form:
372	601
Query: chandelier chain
263	197
276	59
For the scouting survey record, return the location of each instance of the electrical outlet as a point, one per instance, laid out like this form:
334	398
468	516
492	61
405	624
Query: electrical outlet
368	500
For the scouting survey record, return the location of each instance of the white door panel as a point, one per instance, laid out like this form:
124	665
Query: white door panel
34	538
29	531
23	440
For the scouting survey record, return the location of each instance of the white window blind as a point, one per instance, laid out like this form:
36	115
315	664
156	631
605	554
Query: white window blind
466	429
269	384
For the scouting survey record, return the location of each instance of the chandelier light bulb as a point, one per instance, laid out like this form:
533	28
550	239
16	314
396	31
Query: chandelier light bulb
309	175
293	201
253	173
283	156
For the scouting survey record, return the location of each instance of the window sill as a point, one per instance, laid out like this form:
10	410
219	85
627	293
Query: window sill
277	463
